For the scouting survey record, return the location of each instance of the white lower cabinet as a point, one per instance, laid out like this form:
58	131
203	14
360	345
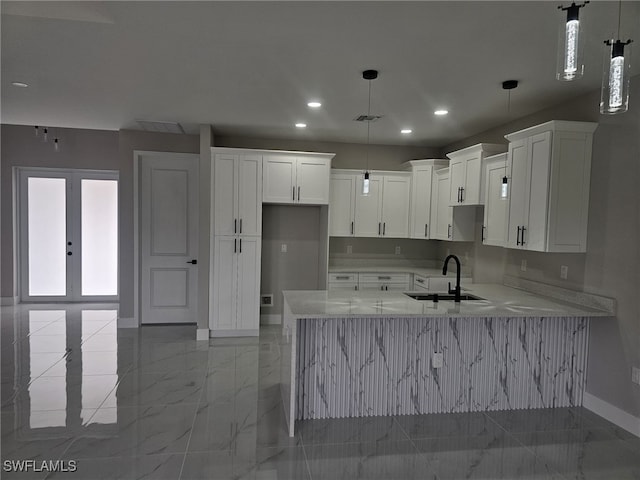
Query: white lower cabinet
431	284
343	281
235	296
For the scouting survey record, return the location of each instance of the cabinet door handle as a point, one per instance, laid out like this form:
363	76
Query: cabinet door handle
449	231
425	229
419	280
386	287
356	287
381	287
518	237
342	277
384	278
482	234
235	226
298	193
240	246
522	239
351	228
378	228
461	194
235	245
384	228
294	193
240	225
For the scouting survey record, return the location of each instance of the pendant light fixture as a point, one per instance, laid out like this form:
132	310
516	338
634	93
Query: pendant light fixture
368	75
570	65
507	85
615	74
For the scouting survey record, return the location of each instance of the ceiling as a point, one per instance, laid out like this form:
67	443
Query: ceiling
249	68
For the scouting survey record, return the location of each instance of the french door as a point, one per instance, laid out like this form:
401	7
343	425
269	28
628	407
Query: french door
68	235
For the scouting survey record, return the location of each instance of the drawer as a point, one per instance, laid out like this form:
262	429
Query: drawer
386	278
343	277
343	286
396	287
420	282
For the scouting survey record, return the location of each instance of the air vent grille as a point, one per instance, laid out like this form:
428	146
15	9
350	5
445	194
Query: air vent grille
165	127
367	118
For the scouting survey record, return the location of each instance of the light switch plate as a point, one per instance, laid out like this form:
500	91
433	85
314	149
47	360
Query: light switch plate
564	272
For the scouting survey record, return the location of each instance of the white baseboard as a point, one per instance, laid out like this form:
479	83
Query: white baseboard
9	301
127	322
612	413
234	333
270	319
202	334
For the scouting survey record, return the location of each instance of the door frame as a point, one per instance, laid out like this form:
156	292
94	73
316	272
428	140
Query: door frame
138	155
73	202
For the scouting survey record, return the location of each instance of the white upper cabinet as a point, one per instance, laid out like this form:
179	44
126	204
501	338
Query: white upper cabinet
420	205
465	170
342	204
237	193
295	178
384	212
448	223
495	206
549	169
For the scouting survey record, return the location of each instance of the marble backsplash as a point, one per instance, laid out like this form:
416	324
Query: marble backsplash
352	367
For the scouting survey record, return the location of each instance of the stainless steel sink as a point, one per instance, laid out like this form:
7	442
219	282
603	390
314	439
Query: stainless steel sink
441	296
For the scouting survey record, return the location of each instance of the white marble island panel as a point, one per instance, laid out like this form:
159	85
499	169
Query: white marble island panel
370	353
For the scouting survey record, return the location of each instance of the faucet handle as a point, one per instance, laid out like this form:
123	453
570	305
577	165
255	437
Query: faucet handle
449	288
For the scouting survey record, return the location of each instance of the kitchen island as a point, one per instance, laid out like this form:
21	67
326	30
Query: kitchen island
351	354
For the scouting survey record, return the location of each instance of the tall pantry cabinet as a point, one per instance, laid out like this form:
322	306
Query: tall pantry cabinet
236	242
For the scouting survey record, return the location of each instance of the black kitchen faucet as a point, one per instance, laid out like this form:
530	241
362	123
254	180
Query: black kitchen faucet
455	291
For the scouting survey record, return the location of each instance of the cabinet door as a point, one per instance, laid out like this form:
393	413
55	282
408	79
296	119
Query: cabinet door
279	179
250	195
471	192
420	202
441	215
495	207
342	195
225	284
537	205
312	181
395	206
368	209
248	314
225	194
457	174
518	166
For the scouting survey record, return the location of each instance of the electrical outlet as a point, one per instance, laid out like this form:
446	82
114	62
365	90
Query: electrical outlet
437	360
564	272
635	375
283	248
523	266
349	249
397	249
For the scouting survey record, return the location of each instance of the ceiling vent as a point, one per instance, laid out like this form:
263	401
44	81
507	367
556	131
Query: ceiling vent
164	127
367	118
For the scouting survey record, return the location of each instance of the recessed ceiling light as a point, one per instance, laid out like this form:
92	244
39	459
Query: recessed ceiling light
406	130
441	112
20	84
314	104
301	125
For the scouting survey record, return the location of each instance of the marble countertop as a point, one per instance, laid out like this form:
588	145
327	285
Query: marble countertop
499	301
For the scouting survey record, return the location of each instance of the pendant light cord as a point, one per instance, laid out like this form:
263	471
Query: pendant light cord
619	16
368	124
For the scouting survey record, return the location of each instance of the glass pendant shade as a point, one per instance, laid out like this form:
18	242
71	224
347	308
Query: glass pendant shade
570	65
504	188
615	77
365	184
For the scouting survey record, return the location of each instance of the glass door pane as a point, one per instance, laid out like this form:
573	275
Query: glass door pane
99	227
47	236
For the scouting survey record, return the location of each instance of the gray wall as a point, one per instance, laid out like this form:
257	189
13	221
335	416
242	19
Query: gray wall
410	249
611	266
299	228
86	149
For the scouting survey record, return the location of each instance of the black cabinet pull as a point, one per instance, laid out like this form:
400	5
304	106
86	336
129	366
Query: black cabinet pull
384	228
425	229
518	237
461	194
522	239
193	262
240	246
449	231
294	193
351	228
419	280
378	228
298	193
69	243
482	234
69	253
235	245
240	225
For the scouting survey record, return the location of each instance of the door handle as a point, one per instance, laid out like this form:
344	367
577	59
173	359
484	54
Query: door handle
193	262
69	253
518	237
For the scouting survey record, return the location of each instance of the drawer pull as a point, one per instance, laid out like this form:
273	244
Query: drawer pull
419	280
342	277
384	278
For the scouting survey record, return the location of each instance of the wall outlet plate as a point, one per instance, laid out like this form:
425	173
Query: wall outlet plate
349	249
283	248
635	375
523	266
564	272
437	360
398	250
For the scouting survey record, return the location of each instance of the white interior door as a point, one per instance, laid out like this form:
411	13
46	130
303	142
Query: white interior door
169	238
68	235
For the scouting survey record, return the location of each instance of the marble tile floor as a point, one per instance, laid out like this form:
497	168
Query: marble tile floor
152	403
